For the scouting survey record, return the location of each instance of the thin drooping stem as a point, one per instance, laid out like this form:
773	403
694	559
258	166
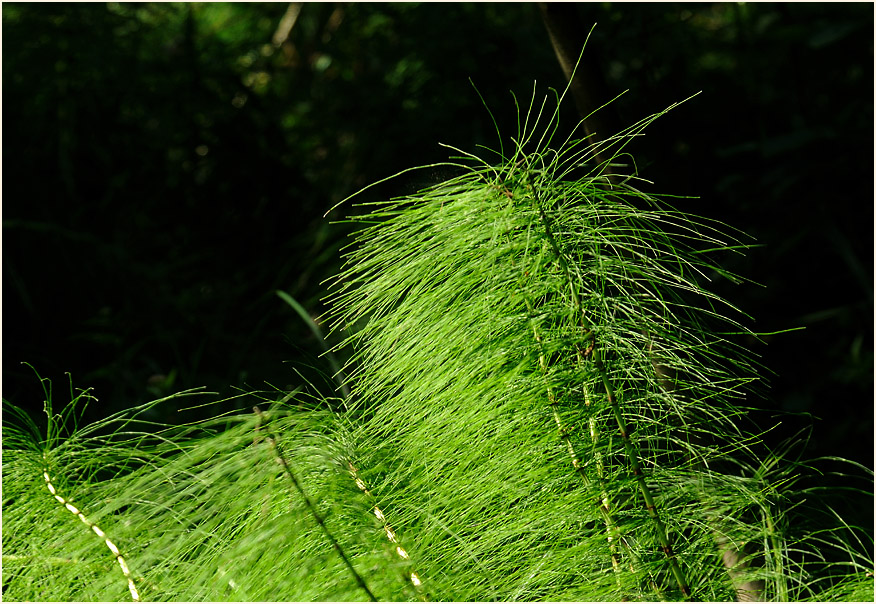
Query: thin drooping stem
344	388
272	441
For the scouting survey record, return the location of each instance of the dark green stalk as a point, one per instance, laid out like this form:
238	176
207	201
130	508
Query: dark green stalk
602	506
272	440
612	532
600	470
630	448
633	456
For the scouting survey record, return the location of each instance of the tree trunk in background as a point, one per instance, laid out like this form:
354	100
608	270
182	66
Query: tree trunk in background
568	35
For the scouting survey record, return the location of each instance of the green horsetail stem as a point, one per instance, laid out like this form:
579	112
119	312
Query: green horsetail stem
281	459
132	587
631	450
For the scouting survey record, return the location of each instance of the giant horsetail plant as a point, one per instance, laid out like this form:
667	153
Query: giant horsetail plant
544	402
547	383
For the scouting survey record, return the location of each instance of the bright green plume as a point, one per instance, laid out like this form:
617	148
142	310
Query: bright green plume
546	403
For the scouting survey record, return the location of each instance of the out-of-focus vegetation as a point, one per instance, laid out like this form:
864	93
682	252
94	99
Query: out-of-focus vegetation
167	167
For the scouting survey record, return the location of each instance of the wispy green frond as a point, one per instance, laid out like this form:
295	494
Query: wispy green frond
544	400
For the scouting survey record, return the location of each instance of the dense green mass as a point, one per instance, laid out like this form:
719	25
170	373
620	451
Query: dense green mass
546	403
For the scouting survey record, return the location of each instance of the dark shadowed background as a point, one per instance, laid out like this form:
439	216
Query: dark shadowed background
167	167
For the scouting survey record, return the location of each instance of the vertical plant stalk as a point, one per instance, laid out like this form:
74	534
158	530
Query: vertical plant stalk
602	506
635	466
587	84
778	560
135	595
600	472
613	535
629	446
272	441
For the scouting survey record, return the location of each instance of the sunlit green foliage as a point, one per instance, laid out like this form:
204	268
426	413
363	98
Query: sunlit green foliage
546	403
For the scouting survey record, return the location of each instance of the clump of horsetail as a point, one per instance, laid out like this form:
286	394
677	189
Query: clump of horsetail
514	327
248	506
543	401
